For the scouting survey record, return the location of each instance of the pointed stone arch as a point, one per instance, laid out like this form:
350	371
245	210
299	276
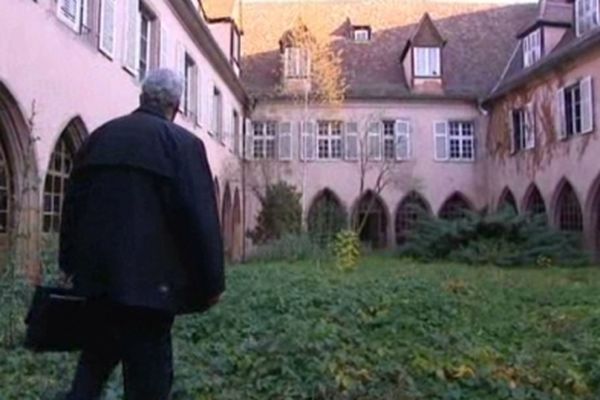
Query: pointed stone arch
567	211
19	189
533	202
507	199
238	229
592	212
58	171
455	206
227	222
371	216
218	196
326	215
412	207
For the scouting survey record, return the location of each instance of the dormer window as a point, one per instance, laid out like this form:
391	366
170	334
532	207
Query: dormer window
427	62
587	15
532	48
296	63
361	34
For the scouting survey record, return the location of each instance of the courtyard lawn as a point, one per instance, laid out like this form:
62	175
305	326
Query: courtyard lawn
389	330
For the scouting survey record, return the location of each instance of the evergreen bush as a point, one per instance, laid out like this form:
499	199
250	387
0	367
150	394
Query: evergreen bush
503	239
280	214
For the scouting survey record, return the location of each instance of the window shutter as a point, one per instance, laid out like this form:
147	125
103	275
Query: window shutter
561	120
530	126
69	12
193	94
198	96
165	50
402	133
180	68
351	141
374	141
132	46
308	141
107	27
249	140
587	105
440	133
511	132
285	141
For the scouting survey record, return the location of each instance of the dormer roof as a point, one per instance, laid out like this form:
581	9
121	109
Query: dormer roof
425	34
550	13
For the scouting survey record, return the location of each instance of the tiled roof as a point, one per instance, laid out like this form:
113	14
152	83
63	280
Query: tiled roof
480	40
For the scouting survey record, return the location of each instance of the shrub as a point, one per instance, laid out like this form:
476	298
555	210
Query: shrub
289	248
281	213
346	248
502	239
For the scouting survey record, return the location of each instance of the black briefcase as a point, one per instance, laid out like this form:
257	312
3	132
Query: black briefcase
57	320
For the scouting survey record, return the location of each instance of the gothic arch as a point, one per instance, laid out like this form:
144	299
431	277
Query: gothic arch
19	187
592	212
408	212
218	196
227	222
326	215
455	206
567	212
371	212
507	199
238	229
533	201
58	171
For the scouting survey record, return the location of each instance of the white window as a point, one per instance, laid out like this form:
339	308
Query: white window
351	141
263	140
106	35
73	13
217	114
532	48
389	140
523	129
146	45
587	15
308	141
132	48
396	140
237	145
454	140
575	105
427	62
374	141
190	85
361	34
296	63
284	138
329	140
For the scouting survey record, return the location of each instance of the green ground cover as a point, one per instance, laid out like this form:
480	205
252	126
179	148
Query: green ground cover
389	330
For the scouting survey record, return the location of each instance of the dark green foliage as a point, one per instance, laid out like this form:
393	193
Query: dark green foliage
388	330
281	213
502	239
290	248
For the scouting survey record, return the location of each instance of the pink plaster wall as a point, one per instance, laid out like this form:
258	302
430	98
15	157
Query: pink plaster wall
47	64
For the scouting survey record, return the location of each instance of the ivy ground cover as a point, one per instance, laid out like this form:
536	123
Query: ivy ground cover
389	330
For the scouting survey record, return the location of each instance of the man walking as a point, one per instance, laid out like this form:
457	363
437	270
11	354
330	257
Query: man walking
140	238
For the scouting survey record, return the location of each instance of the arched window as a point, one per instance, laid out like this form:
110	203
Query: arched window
326	216
371	217
4	191
408	213
569	214
454	208
507	199
534	202
59	169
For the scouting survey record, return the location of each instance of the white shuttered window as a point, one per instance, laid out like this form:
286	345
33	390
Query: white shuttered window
402	133
351	141
285	141
106	42
132	37
440	138
374	141
307	134
71	13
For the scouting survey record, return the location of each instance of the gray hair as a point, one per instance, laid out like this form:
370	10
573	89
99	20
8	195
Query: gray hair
162	89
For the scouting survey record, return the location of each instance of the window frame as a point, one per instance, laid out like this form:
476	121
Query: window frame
428	72
331	138
388	136
361	34
265	139
519	129
587	16
294	68
532	47
461	139
217	114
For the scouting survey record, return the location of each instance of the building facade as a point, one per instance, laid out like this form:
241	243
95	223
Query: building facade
468	105
69	66
444	105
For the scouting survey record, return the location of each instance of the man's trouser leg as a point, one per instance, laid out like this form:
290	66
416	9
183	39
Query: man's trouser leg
141	340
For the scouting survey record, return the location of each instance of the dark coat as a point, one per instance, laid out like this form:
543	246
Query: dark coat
140	224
